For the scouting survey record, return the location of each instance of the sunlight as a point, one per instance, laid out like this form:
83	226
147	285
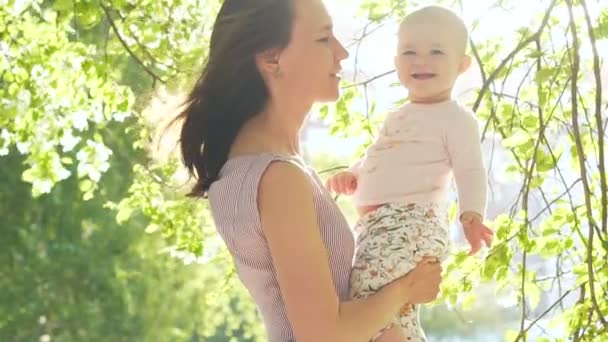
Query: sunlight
374	56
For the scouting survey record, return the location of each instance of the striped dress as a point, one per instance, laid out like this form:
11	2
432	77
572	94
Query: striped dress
233	199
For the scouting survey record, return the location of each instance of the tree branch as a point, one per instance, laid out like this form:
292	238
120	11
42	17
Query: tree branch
575	59
126	46
598	119
513	53
368	81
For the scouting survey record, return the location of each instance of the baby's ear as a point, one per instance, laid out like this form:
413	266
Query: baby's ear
465	63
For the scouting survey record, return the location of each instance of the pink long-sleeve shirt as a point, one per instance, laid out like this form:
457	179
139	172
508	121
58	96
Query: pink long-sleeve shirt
419	149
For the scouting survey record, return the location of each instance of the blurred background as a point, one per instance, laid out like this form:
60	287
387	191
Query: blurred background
98	242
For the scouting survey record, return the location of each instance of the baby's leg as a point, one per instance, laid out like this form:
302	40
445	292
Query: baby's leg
409	321
385	252
394	334
428	225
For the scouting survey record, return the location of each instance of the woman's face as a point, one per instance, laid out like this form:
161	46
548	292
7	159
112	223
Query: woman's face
310	64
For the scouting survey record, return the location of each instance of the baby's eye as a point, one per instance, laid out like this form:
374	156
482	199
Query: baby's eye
409	52
436	52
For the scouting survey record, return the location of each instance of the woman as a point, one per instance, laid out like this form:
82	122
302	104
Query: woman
269	61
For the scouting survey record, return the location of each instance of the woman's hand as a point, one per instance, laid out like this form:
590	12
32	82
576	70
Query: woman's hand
421	285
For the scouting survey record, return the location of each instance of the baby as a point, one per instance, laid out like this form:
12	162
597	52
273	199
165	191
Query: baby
401	186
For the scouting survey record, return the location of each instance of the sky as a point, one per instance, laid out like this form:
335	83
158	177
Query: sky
376	53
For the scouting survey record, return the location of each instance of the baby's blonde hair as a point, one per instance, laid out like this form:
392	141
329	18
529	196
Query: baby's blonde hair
441	15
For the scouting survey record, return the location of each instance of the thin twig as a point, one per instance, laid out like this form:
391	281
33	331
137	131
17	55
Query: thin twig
598	119
513	53
581	158
155	77
368	81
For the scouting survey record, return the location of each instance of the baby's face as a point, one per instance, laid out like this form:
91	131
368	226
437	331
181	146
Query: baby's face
429	58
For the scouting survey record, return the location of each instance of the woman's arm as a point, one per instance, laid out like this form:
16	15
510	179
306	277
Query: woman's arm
289	222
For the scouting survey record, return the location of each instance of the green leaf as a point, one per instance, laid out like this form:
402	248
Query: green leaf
87	196
29	176
531	122
536	182
152	228
513	168
85	185
543	95
13	89
511	335
519	138
544	162
533	292
324	111
468	301
544	74
124	213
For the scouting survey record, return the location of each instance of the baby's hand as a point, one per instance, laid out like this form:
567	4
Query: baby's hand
344	183
476	233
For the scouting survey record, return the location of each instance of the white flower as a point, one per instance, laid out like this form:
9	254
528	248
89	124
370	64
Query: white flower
23	146
24	100
93	160
5	134
94	174
97	113
3	45
63	174
39	73
120	116
79	121
82	156
58	169
102	153
76	62
64	102
5	140
105	166
68	141
6	103
43	186
19	6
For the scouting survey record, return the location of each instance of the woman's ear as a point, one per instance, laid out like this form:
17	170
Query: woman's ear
268	62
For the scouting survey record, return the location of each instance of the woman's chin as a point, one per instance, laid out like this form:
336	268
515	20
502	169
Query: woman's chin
330	96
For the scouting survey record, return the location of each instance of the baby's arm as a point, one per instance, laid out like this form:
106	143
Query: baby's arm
463	143
344	183
464	147
354	169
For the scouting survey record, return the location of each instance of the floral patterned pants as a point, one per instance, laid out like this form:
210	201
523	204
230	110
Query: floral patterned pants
390	242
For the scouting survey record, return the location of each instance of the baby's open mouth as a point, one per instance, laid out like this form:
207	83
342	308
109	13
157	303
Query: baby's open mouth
423	76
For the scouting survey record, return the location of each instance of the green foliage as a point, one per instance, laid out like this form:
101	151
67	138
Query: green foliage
86	211
74	162
552	143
